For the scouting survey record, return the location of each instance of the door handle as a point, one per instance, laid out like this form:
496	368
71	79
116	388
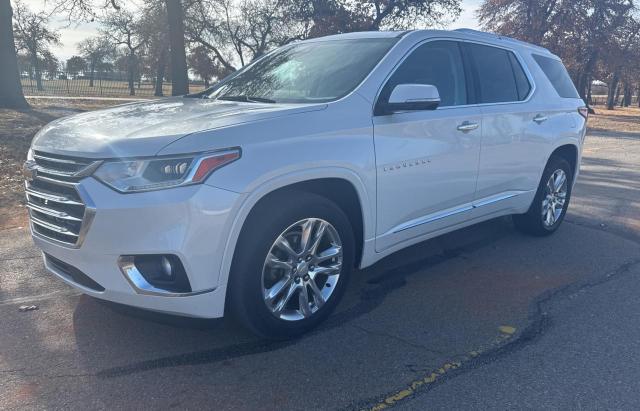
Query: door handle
467	126
540	119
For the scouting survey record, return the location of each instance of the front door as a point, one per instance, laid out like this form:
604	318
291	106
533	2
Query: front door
427	161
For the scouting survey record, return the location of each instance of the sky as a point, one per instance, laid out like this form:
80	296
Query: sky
73	33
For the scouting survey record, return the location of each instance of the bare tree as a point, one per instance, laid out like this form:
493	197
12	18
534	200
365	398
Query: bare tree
155	57
88	10
239	31
125	32
11	95
403	14
76	65
94	50
33	36
617	56
205	66
582	32
528	20
50	64
203	27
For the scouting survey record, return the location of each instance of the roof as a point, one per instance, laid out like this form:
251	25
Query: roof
363	35
463	33
499	38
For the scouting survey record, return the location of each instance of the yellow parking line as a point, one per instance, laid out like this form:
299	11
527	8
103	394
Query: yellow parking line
506	332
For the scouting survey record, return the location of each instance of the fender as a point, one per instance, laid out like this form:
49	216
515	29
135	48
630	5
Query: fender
567	141
250	199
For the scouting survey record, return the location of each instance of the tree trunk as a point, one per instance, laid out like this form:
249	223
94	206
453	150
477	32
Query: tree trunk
160	74
92	73
626	100
36	68
131	69
206	83
586	75
179	76
618	92
11	95
611	97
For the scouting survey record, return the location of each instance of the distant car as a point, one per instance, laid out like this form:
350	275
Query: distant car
261	195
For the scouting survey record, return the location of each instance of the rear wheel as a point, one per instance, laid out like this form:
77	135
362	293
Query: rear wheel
292	264
551	201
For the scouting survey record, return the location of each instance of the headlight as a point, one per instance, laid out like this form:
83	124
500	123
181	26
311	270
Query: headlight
146	174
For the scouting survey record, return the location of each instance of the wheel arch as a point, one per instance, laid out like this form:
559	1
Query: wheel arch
569	152
343	186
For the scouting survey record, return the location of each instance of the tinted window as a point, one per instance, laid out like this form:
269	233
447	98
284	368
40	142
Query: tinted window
438	63
557	75
497	82
307	72
522	83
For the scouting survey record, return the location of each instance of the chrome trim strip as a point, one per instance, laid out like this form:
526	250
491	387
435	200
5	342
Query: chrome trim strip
58	182
430	218
494	199
51	197
54	213
89	214
50	171
52	227
59	160
141	286
35	172
83	172
451	212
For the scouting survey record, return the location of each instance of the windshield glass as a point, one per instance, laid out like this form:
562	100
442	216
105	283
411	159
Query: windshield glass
306	72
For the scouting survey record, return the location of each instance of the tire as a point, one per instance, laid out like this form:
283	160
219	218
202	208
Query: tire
253	278
538	221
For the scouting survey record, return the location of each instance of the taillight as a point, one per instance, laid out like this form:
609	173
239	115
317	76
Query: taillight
584	112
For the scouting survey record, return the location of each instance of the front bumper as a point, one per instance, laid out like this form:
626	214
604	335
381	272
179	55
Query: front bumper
190	222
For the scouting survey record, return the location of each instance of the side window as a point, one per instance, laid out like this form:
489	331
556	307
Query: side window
557	75
438	63
497	82
522	83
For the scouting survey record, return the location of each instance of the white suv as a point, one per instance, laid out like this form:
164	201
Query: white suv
262	194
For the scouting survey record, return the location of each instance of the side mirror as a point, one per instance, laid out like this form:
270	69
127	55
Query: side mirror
412	97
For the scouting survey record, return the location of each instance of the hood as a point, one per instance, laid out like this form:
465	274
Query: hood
144	128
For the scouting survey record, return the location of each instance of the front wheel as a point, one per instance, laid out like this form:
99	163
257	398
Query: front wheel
551	201
291	265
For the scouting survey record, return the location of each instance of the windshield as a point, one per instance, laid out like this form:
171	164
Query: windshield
306	72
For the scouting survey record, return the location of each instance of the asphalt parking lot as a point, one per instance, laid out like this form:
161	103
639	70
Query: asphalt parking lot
481	318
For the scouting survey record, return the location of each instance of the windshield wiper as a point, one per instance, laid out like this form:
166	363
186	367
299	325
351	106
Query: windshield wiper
247	99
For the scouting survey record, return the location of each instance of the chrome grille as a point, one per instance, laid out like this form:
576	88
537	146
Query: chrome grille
57	209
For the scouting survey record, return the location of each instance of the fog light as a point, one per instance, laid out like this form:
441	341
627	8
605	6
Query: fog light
155	273
167	268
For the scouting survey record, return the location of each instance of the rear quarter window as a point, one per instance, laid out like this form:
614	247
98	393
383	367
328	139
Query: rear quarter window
557	75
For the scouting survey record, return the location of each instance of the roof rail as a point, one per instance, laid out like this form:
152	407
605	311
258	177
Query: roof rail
493	36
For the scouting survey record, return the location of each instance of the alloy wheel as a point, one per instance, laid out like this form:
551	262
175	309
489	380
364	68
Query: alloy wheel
555	198
301	269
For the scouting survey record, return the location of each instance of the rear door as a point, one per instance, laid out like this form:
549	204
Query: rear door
510	157
426	160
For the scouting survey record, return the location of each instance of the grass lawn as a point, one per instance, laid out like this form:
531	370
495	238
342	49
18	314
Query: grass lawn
17	128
